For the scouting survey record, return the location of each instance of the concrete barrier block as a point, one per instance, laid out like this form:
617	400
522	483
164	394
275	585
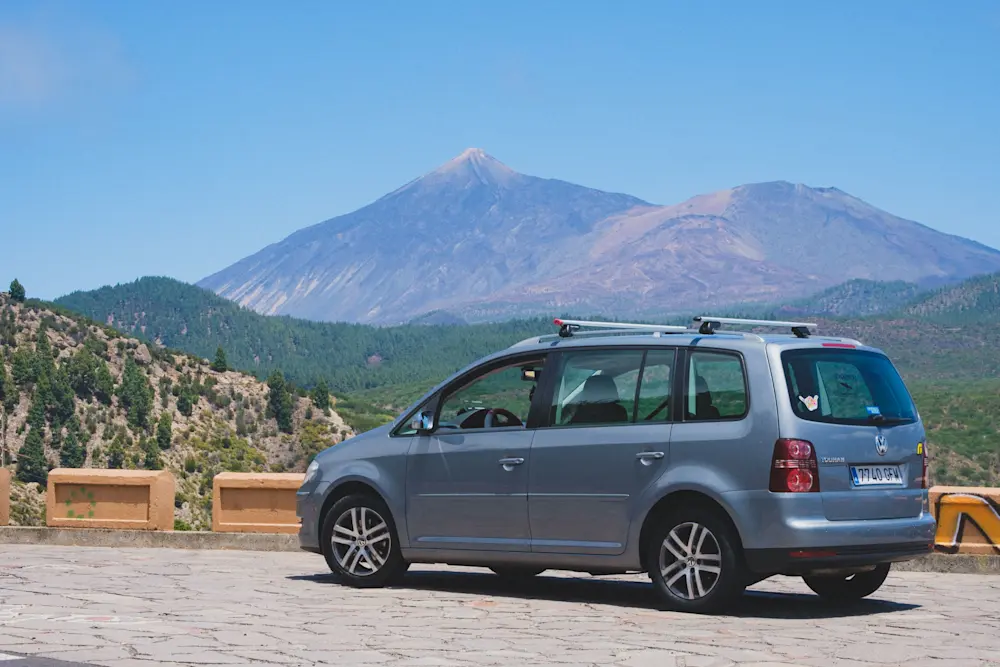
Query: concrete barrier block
255	502
4	496
968	519
118	499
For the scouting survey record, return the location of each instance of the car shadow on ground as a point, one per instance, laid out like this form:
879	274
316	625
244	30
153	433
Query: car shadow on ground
636	594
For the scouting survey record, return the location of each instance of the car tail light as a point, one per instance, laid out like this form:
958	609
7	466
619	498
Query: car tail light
794	468
924	482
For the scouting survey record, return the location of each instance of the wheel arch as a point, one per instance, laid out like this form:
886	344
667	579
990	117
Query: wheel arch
342	490
685	498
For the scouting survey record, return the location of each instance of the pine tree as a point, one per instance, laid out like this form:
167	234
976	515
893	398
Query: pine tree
185	405
82	373
151	454
31	463
44	361
17	291
321	396
23	367
73	454
279	402
135	394
36	414
61	394
116	453
164	431
9	393
220	364
8	328
105	383
56	435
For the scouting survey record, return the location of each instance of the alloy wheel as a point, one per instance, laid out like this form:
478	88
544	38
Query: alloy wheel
361	541
690	561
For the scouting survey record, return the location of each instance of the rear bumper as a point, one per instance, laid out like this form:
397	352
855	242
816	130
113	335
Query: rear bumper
797	562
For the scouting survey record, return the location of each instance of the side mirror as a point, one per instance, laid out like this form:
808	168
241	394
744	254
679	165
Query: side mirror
423	422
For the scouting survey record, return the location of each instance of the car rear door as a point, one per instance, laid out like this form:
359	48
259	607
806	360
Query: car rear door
605	439
852	405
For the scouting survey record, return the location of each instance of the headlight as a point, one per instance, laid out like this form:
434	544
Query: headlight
311	472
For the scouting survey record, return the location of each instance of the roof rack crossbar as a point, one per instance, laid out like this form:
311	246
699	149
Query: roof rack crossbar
708	325
567	327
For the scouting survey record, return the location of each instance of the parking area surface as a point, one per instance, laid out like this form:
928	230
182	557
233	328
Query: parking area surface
131	607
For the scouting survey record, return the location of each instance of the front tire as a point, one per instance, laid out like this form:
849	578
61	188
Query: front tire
848	589
695	563
360	542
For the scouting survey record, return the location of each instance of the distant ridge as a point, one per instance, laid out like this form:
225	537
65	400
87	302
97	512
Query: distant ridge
480	241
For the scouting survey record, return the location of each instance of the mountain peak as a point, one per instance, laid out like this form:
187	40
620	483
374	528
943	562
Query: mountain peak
473	166
474	155
477	163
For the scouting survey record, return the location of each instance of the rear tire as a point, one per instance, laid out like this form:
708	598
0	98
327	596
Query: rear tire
848	589
517	573
694	559
360	542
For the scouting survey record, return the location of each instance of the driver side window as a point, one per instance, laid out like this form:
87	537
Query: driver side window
498	399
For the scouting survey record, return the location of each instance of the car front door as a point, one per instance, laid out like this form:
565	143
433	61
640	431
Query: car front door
604	440
467	480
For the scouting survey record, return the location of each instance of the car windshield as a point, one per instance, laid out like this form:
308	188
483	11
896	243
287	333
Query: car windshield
844	386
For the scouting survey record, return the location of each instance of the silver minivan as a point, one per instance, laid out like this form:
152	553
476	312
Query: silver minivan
707	457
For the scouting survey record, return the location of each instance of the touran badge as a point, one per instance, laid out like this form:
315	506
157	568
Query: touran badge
881	446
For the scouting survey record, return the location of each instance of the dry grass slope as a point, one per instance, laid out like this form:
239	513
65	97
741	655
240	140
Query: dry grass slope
225	427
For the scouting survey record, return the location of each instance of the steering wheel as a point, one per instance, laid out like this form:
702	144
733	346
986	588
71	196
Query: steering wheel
511	418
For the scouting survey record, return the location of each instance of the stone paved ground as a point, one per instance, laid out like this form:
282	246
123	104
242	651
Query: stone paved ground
132	607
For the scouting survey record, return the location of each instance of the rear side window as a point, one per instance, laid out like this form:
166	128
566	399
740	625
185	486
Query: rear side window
841	386
597	387
716	387
609	387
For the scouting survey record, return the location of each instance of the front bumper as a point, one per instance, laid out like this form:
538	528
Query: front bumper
307	508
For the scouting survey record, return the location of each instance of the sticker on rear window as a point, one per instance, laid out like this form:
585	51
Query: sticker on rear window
874	410
811	402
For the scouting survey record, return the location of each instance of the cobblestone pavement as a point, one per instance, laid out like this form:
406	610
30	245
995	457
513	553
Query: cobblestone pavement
132	607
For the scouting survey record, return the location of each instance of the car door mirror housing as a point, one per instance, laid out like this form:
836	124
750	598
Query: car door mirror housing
423	422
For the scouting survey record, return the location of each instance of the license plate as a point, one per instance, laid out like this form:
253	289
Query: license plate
876	476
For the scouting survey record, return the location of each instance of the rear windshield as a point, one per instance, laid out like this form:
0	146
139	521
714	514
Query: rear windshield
841	386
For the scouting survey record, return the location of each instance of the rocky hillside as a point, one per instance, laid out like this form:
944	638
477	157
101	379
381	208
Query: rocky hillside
476	240
975	301
855	298
75	393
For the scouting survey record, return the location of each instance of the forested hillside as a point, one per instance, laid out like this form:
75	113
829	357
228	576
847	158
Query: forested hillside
856	298
74	393
355	358
350	357
975	301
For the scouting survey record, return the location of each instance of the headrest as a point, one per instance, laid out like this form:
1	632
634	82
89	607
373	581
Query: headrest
600	389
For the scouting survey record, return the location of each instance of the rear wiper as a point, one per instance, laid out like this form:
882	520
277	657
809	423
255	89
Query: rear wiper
882	419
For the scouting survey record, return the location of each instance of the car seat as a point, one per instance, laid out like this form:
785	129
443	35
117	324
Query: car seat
599	403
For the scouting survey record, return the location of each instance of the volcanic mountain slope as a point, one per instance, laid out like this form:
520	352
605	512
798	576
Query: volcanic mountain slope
481	241
74	393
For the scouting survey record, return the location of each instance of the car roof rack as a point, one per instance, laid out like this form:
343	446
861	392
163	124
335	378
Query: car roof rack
705	325
708	325
567	327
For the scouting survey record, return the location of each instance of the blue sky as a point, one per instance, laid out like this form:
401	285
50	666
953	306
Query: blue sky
142	138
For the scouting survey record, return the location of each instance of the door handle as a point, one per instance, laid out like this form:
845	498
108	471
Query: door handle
645	456
509	463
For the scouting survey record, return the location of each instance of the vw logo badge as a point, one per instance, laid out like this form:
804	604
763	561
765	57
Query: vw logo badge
881	446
